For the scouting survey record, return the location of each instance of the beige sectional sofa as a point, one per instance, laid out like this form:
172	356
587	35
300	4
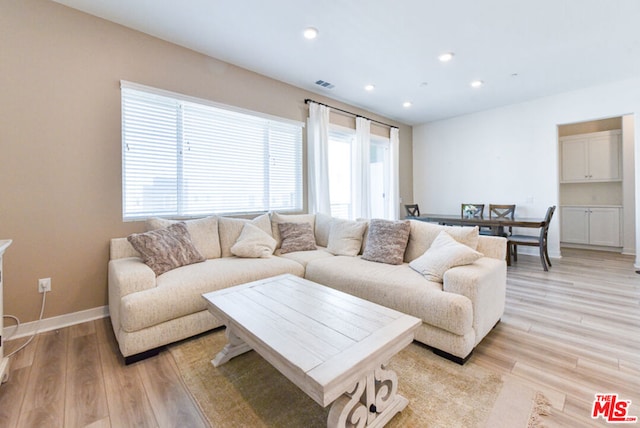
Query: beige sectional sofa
149	311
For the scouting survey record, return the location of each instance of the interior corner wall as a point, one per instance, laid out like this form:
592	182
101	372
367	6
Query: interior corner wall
510	154
629	174
60	179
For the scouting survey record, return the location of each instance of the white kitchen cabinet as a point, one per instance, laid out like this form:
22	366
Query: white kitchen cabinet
4	361
574	225
591	157
591	225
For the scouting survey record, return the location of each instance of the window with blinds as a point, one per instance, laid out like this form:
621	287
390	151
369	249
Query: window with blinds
185	157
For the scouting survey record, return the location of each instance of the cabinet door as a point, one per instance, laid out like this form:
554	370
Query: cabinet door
604	158
574	160
574	225
604	226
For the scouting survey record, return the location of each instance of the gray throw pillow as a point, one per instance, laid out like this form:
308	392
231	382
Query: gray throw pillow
296	237
386	241
166	249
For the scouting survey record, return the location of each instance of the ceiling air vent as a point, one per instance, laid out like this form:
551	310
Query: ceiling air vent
324	84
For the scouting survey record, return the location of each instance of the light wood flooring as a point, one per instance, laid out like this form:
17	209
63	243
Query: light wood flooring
570	333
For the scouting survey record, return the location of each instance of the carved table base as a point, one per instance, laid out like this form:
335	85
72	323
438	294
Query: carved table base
372	402
235	347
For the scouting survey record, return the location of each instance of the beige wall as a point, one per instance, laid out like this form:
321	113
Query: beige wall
60	176
609	124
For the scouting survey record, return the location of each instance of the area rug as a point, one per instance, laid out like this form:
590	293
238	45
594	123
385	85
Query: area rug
249	392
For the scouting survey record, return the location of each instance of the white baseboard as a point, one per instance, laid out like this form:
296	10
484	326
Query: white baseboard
54	323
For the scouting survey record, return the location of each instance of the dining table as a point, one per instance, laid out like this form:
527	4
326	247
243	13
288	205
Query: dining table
495	225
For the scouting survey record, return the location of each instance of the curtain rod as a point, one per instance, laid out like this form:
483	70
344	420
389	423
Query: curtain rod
309	100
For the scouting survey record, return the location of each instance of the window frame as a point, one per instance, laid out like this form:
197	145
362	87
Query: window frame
271	128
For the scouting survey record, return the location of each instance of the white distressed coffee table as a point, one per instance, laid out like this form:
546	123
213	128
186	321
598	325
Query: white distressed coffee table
333	346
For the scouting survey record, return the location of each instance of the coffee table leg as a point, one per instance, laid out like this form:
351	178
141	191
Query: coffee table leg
372	401
233	348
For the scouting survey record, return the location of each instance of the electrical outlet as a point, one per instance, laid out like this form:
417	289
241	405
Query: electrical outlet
44	284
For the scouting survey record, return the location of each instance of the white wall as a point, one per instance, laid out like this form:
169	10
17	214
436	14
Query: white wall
510	154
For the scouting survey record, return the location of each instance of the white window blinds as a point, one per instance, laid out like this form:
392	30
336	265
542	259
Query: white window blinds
183	158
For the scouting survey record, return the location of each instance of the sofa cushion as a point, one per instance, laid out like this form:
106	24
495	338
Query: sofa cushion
166	249
290	218
345	237
179	292
230	229
444	253
304	257
253	242
386	241
296	237
423	234
203	232
397	287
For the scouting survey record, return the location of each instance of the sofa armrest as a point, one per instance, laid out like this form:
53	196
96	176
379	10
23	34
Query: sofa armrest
484	283
493	246
126	276
130	275
121	248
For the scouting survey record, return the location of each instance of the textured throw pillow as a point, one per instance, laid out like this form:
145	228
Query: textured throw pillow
386	241
253	242
166	249
296	237
277	218
345	237
203	232
444	253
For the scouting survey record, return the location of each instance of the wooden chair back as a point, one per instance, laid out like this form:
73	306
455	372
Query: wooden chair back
412	210
478	211
547	221
502	211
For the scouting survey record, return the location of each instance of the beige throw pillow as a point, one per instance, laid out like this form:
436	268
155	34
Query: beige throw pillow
296	237
423	234
444	253
322	229
386	241
253	242
166	249
203	232
230	229
345	237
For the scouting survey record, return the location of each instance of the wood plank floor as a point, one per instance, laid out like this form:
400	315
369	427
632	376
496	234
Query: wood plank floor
570	333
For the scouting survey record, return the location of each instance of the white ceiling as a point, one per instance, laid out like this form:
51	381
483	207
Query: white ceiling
521	49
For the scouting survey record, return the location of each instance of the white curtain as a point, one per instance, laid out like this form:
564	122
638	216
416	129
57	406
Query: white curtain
361	170
394	176
318	159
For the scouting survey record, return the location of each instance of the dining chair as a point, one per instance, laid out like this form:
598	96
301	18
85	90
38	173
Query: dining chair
412	210
497	211
533	241
478	210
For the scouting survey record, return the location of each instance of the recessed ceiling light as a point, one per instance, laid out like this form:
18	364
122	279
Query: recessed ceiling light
406	104
310	33
369	88
477	83
446	57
